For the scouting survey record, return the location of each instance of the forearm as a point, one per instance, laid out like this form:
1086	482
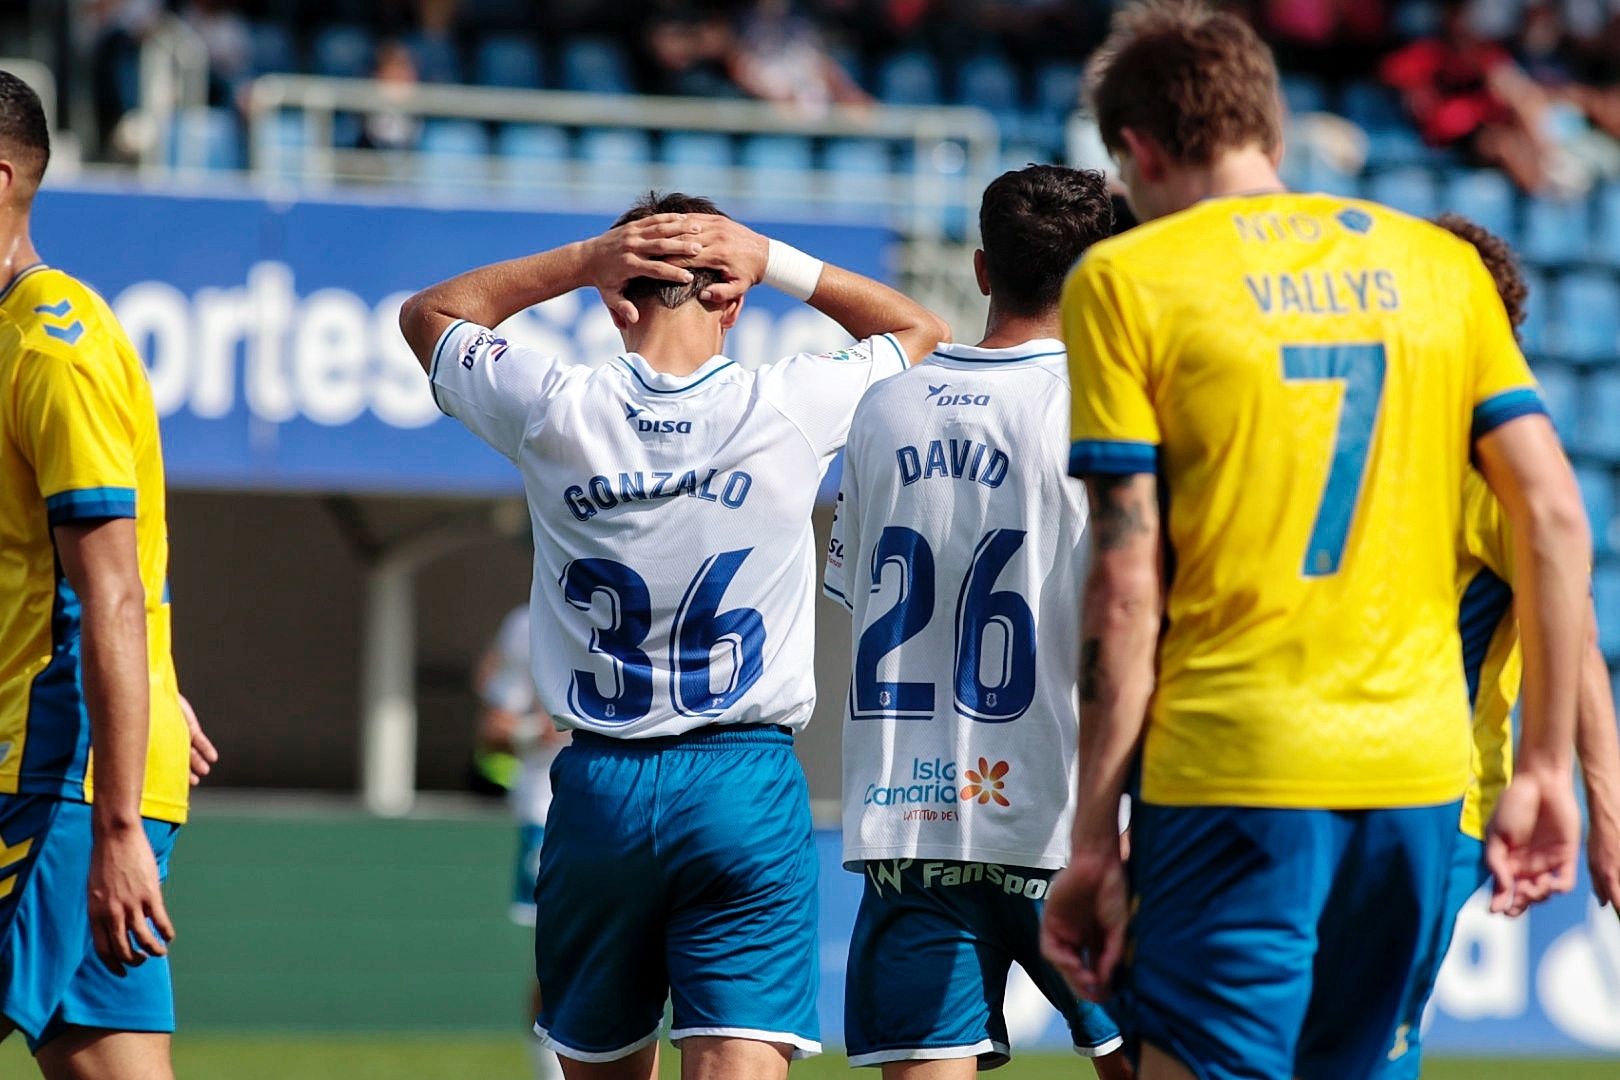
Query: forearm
117	697
1596	742
1552	586
864	308
491	294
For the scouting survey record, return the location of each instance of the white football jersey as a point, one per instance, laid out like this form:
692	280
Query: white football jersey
957	549
674	561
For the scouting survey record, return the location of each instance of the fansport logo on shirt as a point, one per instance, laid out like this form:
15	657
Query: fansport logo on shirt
933	782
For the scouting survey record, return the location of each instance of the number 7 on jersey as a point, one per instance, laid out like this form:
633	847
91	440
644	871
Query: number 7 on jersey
1361	369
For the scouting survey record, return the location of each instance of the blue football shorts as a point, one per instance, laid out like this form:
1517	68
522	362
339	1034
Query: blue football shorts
1467	875
50	975
933	944
1270	944
680	867
526	872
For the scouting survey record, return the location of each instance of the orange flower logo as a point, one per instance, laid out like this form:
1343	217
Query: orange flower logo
985	784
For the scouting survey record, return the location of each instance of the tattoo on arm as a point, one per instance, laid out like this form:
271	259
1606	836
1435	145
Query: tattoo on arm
1118	512
1090	663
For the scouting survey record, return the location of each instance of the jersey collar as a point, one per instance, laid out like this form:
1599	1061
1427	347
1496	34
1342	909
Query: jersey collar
658	382
973	356
17	279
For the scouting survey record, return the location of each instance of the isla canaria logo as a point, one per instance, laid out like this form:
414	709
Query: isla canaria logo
986	784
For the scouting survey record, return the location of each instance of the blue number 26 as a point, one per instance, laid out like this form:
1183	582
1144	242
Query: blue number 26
1361	369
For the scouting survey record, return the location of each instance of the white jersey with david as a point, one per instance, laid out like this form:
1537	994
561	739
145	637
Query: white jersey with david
957	549
674	562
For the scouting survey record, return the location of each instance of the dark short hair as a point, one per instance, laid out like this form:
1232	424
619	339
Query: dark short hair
668	293
1498	258
1197	80
24	136
1035	223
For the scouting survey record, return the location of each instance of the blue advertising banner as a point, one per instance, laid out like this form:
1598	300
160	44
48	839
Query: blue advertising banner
270	328
1544	985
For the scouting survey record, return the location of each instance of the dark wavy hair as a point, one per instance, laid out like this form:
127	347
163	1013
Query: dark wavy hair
1035	223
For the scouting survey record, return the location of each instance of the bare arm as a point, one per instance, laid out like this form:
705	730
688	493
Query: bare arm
1083	933
492	294
100	562
1535	830
862	306
1598	746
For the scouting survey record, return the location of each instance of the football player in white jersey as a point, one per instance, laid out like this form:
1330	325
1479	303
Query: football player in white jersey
957	548
670	493
513	722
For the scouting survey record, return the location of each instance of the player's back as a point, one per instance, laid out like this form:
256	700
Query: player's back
674	554
78	444
957	551
1309	369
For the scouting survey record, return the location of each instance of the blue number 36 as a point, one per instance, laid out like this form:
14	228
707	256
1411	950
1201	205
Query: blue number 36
1361	369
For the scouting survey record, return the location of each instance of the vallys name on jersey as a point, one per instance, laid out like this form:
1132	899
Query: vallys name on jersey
937	782
604	492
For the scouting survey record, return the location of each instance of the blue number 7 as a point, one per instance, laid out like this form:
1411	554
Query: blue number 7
1361	367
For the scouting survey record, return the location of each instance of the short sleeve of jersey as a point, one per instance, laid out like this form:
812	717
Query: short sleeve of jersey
818	392
1487	534
509	683
75	427
491	385
1114	429
1503	387
843	546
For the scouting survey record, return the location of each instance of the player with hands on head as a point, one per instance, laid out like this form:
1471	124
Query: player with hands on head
670	493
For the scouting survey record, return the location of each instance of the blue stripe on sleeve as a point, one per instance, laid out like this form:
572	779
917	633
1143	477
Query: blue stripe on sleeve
90	504
905	361
433	368
1493	412
1109	457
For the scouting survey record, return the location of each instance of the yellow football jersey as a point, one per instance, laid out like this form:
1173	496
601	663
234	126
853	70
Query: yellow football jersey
1305	373
78	443
1493	664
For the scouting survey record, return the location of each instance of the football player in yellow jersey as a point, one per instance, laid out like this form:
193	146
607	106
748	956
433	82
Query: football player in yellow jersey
87	688
1303	379
1492	666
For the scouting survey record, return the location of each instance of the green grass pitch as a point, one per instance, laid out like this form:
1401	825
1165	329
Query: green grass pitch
496	1057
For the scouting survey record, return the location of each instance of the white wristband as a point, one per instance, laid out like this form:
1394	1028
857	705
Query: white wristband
791	271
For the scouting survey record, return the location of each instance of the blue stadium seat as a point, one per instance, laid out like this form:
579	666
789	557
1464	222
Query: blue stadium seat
1606	594
1587	324
1537	306
453	152
1597	492
615	146
205	139
436	58
272	49
989	82
1057	89
909	78
508	60
858	177
595	65
1606	245
778	167
532	155
1596	433
1304	94
1410	190
697	149
1373	106
1555	230
343	52
1560	390
1486	196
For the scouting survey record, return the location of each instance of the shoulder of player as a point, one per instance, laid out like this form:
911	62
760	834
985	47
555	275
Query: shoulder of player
56	314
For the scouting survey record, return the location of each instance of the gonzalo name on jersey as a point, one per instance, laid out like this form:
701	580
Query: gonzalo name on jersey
604	492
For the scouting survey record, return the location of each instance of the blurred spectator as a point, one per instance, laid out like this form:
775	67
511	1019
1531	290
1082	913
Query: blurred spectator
115	30
779	56
392	129
1466	92
1333	39
688	49
225	34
